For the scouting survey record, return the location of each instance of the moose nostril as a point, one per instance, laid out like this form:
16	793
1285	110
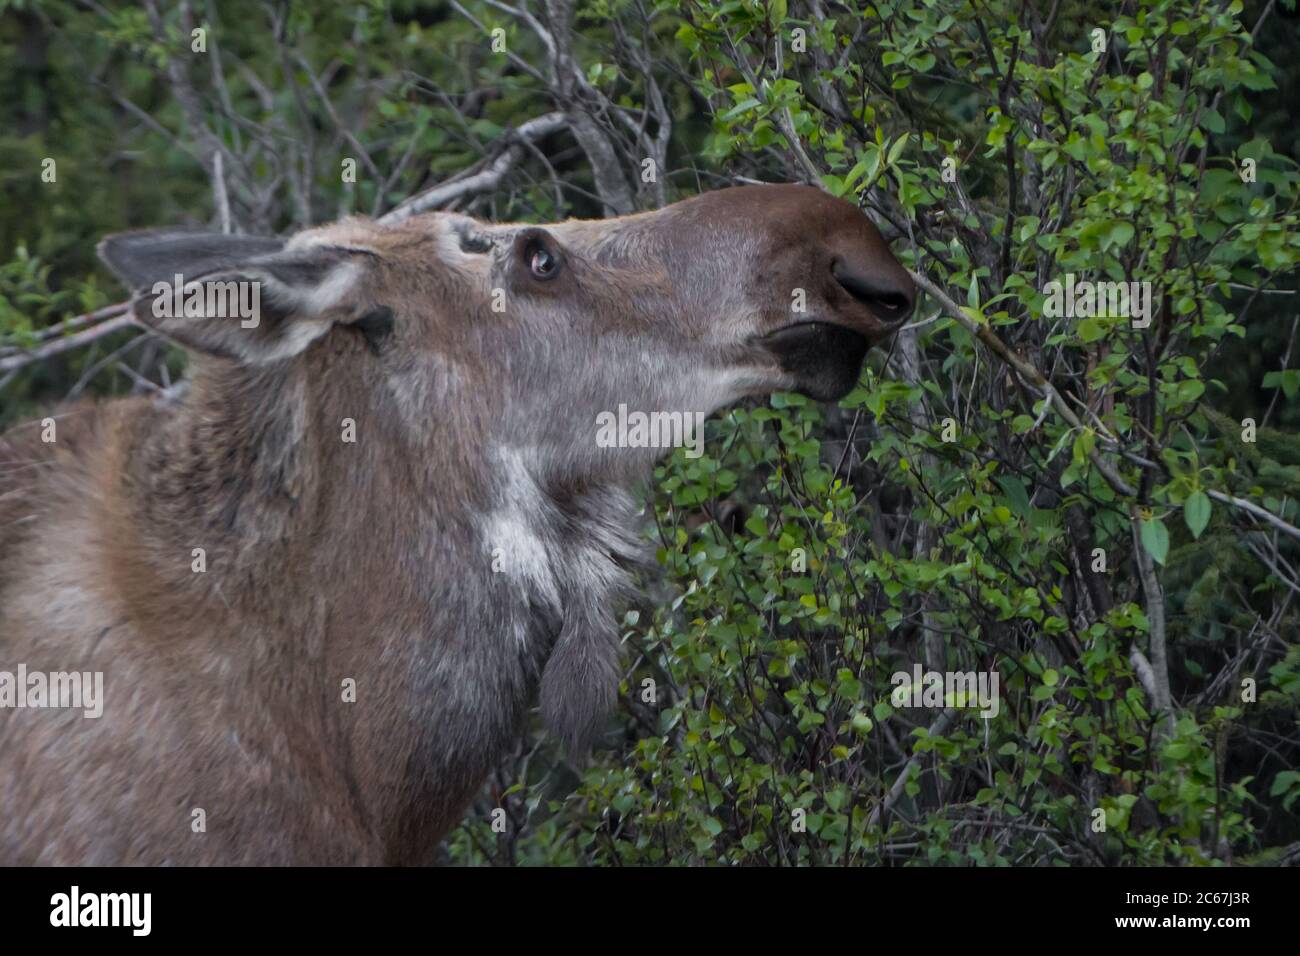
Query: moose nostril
891	303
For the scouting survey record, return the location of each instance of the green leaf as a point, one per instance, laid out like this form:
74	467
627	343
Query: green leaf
1091	330
744	106
1017	494
899	145
1196	512
1288	380
1155	538
1119	235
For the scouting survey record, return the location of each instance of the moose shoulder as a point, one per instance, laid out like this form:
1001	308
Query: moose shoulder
324	587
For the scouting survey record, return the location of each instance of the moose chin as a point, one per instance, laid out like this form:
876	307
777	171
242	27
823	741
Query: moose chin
326	584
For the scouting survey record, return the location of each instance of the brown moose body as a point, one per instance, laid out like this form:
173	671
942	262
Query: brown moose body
325	586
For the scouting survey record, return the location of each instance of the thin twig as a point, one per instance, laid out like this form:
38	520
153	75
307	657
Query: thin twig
66	344
1257	511
940	725
485	180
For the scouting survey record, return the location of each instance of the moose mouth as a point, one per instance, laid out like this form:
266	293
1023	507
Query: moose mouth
823	358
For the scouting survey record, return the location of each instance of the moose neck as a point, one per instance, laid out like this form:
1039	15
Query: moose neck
441	565
292	478
304	477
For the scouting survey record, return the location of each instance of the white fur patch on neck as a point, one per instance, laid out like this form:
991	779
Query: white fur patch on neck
514	531
575	561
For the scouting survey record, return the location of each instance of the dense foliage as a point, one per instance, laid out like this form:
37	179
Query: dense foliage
1099	507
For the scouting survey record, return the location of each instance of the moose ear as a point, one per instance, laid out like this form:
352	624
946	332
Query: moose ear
142	258
246	298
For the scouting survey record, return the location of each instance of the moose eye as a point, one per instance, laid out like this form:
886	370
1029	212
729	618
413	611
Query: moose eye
542	263
537	255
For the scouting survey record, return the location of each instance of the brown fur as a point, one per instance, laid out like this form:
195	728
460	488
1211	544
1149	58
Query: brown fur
372	561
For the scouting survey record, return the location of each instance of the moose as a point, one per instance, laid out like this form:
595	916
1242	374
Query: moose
326	584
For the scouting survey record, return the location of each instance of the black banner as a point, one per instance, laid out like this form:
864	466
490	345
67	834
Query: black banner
227	905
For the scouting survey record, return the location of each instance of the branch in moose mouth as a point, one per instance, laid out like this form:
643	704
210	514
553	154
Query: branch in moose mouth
1031	374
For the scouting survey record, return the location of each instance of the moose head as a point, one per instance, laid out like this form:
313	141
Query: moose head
736	292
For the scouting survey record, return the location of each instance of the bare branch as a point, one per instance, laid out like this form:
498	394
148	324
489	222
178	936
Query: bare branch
74	341
486	179
1155	606
219	198
567	89
940	725
1257	511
